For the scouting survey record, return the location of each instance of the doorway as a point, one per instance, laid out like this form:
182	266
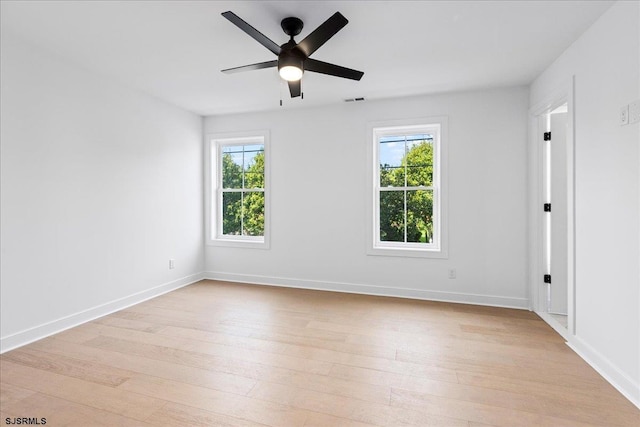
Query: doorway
556	224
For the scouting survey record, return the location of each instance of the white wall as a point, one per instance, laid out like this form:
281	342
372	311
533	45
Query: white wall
319	188
605	62
101	185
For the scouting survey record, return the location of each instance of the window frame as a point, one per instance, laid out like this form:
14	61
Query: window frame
377	130
214	190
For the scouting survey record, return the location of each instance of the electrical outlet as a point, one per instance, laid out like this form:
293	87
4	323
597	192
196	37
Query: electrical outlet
452	273
624	115
172	264
634	112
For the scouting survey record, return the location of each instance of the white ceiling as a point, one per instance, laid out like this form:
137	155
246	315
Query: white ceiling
175	50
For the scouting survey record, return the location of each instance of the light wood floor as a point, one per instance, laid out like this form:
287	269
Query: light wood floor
216	353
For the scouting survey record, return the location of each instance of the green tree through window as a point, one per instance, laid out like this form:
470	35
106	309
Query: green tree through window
406	188
243	190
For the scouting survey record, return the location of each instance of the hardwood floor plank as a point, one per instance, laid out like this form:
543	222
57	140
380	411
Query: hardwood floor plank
207	356
101	334
316	419
98	396
387	379
294	350
476	412
219	314
474	424
461	392
416	342
348	408
176	415
61	412
133	324
232	405
11	394
328	385
205	377
390	373
601	398
503	366
293	335
267	343
595	415
446	347
525	402
60	364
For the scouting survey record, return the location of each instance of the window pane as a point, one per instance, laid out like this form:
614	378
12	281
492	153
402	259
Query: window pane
231	168
254	166
391	154
231	211
420	216
392	216
250	152
419	161
232	149
253	214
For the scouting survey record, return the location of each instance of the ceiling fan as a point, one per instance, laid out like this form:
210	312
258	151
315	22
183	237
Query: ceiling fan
293	58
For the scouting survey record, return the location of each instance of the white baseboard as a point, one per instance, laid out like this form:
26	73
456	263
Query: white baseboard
352	288
30	335
625	385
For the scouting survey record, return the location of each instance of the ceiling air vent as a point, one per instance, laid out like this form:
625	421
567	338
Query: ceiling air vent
353	99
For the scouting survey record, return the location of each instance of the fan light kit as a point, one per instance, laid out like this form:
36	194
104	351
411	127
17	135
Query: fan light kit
291	73
293	58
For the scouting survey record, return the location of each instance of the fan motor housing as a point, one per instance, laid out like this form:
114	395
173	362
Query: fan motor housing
291	57
292	26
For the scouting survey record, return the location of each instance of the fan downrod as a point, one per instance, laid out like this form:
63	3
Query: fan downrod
292	26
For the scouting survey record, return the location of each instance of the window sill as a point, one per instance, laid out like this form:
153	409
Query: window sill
408	252
247	244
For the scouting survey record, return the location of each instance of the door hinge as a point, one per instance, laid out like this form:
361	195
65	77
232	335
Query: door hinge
547	207
547	136
547	278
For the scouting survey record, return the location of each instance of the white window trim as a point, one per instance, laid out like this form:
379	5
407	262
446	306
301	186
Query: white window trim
420	250
213	215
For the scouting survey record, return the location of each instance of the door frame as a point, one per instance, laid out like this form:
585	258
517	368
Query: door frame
537	294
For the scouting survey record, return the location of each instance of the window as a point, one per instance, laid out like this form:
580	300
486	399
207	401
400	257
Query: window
407	200
239	196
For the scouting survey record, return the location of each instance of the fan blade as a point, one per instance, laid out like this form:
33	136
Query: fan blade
324	32
258	66
255	34
294	88
331	69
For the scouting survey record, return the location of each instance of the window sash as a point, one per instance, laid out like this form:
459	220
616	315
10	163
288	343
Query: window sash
240	236
405	243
